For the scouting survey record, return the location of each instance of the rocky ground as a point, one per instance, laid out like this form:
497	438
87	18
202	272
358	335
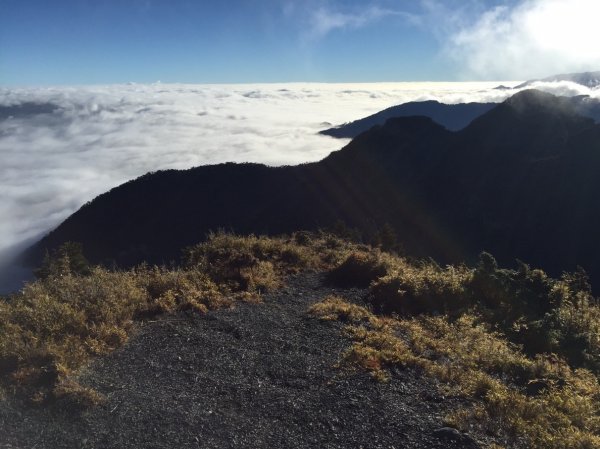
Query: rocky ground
257	376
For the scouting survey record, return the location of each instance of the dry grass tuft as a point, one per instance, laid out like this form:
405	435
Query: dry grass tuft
250	263
359	269
421	288
334	308
523	402
73	396
523	347
74	311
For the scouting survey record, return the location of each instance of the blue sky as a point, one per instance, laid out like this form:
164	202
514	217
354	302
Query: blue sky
46	42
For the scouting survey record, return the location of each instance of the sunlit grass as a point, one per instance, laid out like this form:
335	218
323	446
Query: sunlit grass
520	347
74	312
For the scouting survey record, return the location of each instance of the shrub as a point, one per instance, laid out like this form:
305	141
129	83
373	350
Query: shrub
424	288
67	259
471	361
359	269
53	325
335	308
246	263
74	312
544	315
303	238
386	238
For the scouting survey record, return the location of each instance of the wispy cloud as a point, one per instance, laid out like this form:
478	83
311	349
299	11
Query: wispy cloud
526	39
324	20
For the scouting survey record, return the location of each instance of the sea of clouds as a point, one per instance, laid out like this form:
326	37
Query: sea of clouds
102	136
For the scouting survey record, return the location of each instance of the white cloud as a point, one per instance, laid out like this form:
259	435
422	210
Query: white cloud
531	39
102	136
324	20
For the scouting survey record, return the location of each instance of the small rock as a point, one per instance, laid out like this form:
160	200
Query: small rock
537	386
448	433
452	434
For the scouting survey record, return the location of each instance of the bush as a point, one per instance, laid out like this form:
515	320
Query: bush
67	259
424	288
303	238
53	325
249	263
74	311
519	401
359	269
544	315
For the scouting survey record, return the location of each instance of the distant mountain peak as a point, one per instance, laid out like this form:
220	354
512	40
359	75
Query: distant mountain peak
587	79
531	95
451	116
536	99
547	108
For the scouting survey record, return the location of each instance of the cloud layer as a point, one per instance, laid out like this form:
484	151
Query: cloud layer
526	39
102	136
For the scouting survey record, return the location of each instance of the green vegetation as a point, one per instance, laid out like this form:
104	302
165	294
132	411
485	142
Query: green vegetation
68	258
521	347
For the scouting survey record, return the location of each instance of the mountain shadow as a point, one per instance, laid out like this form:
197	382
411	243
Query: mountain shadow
519	181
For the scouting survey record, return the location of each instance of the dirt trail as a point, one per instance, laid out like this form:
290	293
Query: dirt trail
257	376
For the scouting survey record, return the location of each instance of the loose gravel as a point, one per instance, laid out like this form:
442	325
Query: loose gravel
256	376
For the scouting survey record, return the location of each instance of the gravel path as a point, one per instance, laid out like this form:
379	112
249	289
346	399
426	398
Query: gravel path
257	376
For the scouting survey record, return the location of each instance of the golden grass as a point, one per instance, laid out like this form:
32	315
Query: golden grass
232	258
360	268
57	323
486	334
334	308
425	287
523	402
53	325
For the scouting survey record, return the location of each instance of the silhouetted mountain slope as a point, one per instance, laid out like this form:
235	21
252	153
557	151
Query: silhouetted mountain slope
587	106
515	176
451	116
520	181
587	79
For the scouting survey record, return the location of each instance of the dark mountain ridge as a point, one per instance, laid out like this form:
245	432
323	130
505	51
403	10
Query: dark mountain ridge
519	181
453	117
587	79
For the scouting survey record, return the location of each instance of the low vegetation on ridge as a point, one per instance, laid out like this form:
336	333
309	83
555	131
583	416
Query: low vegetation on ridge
520	347
74	311
520	350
